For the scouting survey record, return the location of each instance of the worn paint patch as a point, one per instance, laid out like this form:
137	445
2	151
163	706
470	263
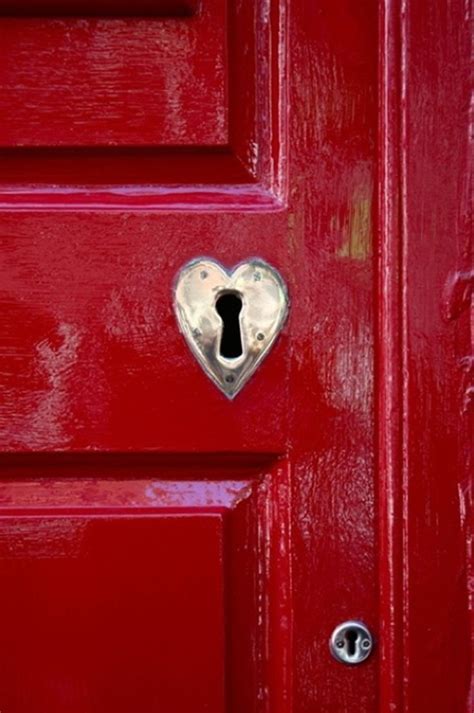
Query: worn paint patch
61	538
347	374
355	226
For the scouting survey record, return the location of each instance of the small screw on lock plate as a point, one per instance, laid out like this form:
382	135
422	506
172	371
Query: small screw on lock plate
351	642
230	319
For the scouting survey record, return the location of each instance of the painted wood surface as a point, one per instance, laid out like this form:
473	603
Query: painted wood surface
148	524
111	8
108	81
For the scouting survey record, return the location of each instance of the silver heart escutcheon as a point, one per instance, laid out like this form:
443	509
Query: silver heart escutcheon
230	320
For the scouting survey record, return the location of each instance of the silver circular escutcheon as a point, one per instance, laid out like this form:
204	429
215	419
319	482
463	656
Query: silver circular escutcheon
351	642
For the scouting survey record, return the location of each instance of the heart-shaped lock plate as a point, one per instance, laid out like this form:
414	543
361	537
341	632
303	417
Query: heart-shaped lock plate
230	320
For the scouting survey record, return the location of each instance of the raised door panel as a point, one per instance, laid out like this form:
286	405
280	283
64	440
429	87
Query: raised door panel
143	594
91	81
112	612
123	95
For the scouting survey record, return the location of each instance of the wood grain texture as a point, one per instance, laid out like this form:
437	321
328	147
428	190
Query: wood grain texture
93	362
332	174
437	212
172	125
338	478
114	82
425	435
391	366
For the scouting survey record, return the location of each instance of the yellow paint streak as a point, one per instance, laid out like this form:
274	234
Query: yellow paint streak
357	230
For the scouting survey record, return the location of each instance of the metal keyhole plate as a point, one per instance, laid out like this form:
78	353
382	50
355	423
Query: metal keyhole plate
230	319
351	642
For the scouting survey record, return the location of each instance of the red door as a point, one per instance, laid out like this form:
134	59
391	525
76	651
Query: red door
164	548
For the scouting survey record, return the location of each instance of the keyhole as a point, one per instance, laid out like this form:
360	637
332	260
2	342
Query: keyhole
229	306
351	638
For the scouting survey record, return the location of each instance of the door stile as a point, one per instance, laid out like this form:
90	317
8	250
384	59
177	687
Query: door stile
391	361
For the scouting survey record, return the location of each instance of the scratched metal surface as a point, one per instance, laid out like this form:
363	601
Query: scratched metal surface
334	485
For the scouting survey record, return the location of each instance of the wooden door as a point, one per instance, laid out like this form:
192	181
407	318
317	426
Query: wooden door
164	548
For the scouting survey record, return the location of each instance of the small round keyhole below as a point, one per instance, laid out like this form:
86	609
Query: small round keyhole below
351	642
228	307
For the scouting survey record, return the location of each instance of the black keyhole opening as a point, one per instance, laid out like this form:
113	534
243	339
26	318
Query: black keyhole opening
229	306
351	638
